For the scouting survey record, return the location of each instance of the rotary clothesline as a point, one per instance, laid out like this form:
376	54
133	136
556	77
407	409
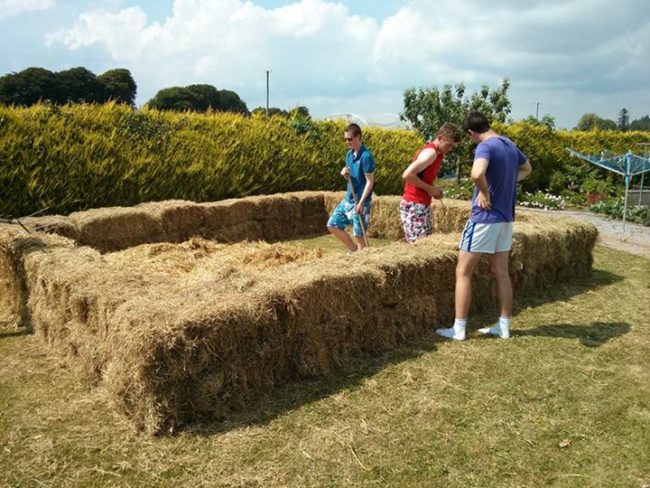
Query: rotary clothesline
627	165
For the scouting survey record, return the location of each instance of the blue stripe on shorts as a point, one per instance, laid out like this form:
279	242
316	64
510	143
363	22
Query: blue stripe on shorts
468	235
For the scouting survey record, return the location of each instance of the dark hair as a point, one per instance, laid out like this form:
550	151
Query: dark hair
476	122
354	128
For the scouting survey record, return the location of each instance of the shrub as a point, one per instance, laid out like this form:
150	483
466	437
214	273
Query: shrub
615	207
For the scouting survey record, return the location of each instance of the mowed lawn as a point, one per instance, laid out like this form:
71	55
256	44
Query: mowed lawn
565	402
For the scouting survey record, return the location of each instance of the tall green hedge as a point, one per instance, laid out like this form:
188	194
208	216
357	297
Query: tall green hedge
82	156
555	170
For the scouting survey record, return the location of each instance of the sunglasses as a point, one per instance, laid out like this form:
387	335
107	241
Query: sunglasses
348	139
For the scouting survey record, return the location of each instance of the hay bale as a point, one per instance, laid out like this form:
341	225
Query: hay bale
176	332
331	199
282	206
52	224
226	213
15	246
179	219
115	228
312	203
269	218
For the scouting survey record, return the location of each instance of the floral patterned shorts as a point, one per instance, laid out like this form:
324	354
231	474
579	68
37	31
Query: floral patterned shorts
416	220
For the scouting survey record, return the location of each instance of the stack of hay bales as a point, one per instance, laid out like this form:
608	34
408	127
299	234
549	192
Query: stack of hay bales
175	332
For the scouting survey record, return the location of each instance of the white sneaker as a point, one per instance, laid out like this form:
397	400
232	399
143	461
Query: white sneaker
496	330
452	333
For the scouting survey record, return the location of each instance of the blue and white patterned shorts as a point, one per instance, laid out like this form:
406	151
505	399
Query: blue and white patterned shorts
345	215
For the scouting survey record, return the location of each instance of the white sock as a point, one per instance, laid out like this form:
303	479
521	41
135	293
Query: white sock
457	332
504	324
501	328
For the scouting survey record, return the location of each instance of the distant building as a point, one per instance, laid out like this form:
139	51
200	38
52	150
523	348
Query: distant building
386	121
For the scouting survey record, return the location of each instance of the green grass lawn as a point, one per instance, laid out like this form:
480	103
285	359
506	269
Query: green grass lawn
566	402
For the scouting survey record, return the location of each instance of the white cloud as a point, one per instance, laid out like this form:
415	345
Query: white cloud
15	7
318	50
232	42
123	32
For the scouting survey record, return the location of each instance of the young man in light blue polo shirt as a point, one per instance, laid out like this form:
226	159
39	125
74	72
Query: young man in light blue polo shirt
359	170
498	166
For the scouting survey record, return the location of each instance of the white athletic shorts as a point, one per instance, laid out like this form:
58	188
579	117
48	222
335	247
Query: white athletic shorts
486	238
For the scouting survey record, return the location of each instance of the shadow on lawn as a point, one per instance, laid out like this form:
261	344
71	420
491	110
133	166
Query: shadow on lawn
297	393
592	335
561	291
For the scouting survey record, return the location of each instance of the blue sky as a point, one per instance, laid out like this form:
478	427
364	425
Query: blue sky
570	56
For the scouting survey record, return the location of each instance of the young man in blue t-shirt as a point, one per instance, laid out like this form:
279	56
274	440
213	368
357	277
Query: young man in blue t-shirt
359	170
498	166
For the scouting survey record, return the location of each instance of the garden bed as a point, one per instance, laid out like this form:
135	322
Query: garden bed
182	310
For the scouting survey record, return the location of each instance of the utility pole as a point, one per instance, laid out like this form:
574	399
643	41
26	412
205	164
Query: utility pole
645	146
537	110
267	92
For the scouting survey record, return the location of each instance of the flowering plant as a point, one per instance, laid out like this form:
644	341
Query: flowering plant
546	201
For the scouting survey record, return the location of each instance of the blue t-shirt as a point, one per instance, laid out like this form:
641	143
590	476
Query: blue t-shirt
504	159
360	165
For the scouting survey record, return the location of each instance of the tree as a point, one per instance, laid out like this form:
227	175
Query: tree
591	121
641	124
76	85
118	85
29	86
197	98
230	102
426	109
79	85
624	120
205	97
300	112
175	98
272	111
547	120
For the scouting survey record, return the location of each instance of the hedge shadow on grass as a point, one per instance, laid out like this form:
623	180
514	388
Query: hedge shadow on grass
575	286
594	334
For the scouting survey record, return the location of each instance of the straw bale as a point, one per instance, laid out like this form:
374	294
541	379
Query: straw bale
281	206
180	219
116	228
312	202
331	199
225	213
384	219
304	321
313	225
449	215
314	215
15	246
175	332
52	224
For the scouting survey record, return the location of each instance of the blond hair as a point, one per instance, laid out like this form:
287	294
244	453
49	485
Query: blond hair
450	131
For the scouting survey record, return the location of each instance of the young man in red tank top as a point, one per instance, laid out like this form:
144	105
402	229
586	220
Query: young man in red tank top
419	178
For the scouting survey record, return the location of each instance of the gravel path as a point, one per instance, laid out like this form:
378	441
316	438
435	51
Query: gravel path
634	240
